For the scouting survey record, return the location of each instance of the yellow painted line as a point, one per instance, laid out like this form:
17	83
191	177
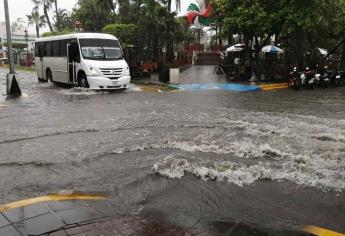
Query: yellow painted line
49	198
320	231
274	86
269	85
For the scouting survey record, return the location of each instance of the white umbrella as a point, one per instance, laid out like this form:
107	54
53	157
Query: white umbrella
236	48
272	49
323	51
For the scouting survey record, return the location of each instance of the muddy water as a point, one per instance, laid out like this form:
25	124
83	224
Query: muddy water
275	159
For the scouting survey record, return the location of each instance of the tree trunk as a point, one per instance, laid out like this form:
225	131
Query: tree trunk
230	38
257	68
47	17
169	5
220	39
37	30
58	25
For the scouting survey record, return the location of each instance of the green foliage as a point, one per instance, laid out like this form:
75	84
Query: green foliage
56	33
95	14
18	46
63	20
37	20
298	25
126	33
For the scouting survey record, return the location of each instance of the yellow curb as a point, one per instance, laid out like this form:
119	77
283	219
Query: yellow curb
274	86
269	85
320	231
49	198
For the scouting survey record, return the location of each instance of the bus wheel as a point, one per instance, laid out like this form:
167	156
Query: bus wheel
49	76
82	81
40	80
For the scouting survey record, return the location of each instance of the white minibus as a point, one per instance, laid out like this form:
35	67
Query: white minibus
90	60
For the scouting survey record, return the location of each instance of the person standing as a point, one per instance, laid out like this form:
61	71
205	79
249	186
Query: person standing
237	64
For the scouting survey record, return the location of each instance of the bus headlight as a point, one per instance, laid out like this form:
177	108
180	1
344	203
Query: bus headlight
94	71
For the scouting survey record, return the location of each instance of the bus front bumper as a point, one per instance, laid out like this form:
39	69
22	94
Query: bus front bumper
100	82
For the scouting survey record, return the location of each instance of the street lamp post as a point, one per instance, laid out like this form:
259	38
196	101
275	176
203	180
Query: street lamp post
26	36
12	85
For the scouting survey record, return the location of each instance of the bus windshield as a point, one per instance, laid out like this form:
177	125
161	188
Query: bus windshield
100	49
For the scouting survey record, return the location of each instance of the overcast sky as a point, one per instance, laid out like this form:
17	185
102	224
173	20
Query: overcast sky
21	8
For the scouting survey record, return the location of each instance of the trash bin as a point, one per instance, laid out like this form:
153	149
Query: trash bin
164	75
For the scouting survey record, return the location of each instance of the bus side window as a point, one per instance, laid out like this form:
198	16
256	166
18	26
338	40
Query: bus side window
48	49
56	48
63	48
37	50
39	47
41	50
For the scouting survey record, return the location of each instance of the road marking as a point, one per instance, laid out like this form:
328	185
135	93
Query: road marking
49	198
320	231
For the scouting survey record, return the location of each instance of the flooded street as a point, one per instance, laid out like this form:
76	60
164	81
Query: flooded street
275	159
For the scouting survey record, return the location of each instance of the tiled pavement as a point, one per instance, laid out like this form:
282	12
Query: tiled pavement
98	218
82	218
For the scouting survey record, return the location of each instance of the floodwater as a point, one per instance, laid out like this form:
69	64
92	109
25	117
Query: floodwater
275	159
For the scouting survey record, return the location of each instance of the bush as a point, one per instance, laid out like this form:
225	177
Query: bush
126	33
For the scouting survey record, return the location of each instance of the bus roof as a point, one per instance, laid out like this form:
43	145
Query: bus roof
77	36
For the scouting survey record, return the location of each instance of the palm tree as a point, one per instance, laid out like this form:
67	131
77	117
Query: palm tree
35	19
47	5
57	22
62	19
177	5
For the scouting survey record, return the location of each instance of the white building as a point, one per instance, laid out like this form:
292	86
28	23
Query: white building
18	35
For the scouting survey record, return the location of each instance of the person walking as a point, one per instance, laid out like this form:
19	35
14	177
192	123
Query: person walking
237	63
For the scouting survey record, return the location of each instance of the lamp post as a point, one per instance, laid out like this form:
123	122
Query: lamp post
12	85
78	26
26	36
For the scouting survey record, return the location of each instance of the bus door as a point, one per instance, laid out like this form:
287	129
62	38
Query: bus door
73	56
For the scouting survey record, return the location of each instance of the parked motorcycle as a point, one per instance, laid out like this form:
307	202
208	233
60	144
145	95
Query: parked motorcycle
339	78
325	79
294	80
309	79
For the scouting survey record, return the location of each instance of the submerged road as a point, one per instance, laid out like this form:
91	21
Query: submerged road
275	159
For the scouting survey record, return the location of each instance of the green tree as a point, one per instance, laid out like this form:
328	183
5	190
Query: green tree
94	14
38	21
169	4
57	16
126	33
300	26
47	5
63	20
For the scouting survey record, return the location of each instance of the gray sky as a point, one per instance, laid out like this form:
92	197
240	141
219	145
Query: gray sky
21	8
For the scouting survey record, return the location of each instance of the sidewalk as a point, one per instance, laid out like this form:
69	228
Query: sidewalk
99	218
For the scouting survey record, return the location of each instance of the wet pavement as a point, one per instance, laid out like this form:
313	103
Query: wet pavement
201	74
273	159
94	218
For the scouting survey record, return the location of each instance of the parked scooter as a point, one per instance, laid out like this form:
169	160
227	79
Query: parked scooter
309	79
325	79
340	78
294	80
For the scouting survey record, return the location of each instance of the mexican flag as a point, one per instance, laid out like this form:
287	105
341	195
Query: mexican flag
198	14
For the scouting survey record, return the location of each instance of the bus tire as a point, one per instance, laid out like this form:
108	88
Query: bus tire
82	80
40	80
49	76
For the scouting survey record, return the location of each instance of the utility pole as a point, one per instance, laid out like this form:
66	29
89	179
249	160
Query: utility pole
12	87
